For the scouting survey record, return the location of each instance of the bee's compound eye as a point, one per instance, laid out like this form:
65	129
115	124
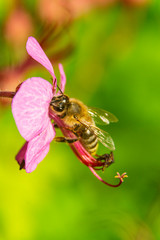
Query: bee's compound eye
62	106
53	101
59	108
65	99
59	102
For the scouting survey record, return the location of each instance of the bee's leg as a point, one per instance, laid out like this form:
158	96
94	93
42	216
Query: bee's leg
74	129
67	128
64	139
108	159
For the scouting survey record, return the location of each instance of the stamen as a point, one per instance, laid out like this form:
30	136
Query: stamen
121	177
100	179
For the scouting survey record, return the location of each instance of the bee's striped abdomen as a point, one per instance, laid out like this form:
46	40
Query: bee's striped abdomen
89	141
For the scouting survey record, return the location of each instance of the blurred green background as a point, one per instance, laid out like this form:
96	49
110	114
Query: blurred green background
115	65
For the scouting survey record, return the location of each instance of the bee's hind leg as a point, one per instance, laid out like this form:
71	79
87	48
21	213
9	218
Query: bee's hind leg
64	139
108	159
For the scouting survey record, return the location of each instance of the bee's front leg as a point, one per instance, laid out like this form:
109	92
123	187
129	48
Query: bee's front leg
64	139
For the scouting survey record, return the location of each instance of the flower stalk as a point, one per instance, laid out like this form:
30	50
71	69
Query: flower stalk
7	94
34	116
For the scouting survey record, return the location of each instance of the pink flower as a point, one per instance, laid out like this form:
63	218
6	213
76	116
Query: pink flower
32	114
30	107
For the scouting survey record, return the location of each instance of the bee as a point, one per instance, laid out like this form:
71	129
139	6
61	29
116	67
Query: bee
82	120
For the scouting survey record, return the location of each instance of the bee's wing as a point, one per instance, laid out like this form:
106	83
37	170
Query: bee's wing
101	116
104	137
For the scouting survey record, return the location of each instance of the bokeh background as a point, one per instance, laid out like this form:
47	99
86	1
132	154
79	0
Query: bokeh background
110	51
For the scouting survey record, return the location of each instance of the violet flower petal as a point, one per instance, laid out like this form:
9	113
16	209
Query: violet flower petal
37	53
38	148
30	107
63	78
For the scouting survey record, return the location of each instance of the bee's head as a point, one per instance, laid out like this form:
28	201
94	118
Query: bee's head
60	102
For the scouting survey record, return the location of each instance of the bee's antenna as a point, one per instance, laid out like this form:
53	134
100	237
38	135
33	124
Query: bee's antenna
60	89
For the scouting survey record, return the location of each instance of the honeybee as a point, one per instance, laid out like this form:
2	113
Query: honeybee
82	120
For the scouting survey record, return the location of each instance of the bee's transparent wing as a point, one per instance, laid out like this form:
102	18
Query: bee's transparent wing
101	116
104	138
